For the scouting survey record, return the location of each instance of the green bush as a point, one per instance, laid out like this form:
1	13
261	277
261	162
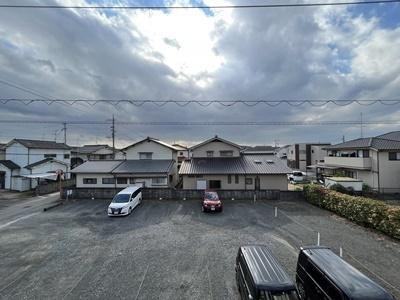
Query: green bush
363	211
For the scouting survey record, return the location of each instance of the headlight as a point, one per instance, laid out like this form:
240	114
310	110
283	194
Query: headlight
125	209
109	209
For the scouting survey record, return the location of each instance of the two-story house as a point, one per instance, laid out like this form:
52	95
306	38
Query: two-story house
29	157
150	162
93	152
374	160
301	155
221	164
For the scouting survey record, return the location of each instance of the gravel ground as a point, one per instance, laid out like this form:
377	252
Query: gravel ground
170	250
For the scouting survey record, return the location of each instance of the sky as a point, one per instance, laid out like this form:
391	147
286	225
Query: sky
335	52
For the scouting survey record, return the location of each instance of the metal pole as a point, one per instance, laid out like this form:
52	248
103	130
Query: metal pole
65	132
113	135
318	238
276	211
341	252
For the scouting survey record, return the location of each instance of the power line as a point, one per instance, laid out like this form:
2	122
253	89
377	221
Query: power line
211	123
122	7
206	103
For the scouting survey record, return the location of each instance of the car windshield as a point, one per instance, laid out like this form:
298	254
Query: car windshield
121	198
291	295
211	196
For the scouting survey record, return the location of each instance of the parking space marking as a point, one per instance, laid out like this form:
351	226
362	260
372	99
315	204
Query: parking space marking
209	282
19	219
140	286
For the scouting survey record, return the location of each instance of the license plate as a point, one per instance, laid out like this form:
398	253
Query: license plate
212	208
115	213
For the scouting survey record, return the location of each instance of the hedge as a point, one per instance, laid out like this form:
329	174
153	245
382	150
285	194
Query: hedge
363	211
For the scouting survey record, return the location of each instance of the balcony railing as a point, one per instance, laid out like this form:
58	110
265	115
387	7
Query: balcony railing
349	162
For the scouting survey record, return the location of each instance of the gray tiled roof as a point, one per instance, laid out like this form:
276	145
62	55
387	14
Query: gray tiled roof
2	146
36	144
388	141
97	166
245	164
394	135
216	138
264	164
214	165
43	161
141	166
9	164
86	149
148	139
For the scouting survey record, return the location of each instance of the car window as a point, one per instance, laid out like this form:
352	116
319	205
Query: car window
121	198
211	196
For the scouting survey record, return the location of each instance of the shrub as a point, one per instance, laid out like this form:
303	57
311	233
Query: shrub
338	188
363	211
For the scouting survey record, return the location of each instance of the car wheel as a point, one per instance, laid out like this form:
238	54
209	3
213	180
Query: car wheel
302	291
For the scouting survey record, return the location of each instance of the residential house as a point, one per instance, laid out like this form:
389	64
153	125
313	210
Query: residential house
122	173
374	160
92	152
29	157
221	164
182	154
301	155
150	162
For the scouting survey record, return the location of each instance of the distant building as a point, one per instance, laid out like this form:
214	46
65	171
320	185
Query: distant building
2	151
29	157
92	152
374	160
301	155
264	150
221	164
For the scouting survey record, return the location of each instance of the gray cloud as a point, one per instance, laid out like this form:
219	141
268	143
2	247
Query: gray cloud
268	54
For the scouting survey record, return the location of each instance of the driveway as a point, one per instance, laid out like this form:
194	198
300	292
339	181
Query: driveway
170	250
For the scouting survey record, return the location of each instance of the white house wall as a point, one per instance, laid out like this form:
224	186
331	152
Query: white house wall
159	151
7	176
215	146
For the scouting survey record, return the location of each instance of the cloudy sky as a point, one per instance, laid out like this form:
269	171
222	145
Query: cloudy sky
346	52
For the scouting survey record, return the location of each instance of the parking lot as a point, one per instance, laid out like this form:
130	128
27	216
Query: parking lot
171	250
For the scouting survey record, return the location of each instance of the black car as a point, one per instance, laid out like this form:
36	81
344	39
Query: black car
259	275
322	275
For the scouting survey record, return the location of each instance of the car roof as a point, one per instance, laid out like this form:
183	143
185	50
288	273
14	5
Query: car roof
352	282
129	190
266	271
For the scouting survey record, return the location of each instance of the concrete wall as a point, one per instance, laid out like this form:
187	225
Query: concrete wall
216	147
173	194
317	154
267	182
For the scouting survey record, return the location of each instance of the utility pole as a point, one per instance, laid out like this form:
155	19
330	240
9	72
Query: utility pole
343	139
361	123
65	132
113	136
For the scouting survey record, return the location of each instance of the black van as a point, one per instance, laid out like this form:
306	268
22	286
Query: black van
260	276
322	275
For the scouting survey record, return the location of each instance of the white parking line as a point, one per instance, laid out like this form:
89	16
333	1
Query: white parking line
140	286
19	219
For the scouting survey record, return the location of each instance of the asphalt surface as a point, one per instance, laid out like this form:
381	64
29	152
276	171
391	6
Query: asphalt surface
171	250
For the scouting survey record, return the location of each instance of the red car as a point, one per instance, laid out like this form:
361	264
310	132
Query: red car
211	202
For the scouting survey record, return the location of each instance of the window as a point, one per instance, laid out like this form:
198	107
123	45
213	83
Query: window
249	180
50	155
66	156
214	184
108	180
89	180
236	179
210	153
181	153
102	156
145	155
312	151
229	179
122	180
159	181
131	180
394	155
226	153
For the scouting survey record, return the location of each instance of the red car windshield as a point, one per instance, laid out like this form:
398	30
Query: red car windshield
211	196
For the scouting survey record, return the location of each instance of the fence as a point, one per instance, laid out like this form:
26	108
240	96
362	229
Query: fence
54	186
176	194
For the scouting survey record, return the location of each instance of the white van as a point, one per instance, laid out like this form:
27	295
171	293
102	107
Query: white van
296	177
125	201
